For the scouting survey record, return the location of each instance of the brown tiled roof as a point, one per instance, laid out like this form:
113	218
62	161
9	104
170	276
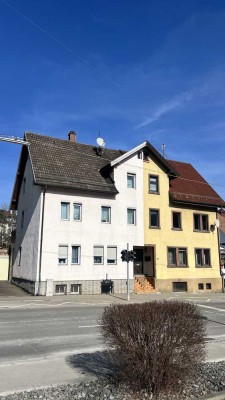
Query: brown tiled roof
65	164
68	164
191	187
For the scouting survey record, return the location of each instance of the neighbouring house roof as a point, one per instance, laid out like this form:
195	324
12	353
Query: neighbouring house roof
191	187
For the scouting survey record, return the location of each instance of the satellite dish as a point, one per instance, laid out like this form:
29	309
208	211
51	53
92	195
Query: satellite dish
100	142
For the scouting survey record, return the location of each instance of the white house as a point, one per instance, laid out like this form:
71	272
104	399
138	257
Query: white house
77	207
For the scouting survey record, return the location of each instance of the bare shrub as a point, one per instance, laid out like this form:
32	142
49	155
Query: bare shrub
156	346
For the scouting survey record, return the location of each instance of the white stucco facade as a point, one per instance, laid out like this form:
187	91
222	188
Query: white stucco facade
25	251
87	233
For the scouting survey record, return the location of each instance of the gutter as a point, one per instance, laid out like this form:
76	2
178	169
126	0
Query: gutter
41	241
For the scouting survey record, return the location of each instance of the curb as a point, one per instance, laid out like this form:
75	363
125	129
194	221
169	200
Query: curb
219	396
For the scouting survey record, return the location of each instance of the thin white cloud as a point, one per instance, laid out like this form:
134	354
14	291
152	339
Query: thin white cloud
167	107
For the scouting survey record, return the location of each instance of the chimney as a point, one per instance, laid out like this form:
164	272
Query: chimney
72	136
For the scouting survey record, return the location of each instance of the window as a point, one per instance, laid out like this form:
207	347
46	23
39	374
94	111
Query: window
208	286
153	184
131	181
154	218
201	286
111	255
75	288
106	215
202	257
176	220
22	219
131	216
63	254
75	255
60	289
180	287
77	212
19	257
177	257
98	254
201	222
65	210
145	156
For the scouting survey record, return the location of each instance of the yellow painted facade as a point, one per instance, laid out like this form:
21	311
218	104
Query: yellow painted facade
4	266
159	239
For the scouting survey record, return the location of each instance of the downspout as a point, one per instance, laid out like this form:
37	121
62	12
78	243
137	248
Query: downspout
218	238
41	241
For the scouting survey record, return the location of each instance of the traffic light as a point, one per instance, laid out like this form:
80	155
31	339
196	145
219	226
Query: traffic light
132	255
124	255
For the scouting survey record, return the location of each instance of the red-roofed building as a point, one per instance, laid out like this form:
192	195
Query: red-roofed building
79	205
181	228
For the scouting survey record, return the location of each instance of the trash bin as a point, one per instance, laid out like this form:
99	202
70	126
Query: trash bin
106	286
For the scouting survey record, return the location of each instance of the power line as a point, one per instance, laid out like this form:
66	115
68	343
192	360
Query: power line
59	42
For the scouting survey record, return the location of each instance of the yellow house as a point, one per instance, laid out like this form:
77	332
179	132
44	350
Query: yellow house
181	251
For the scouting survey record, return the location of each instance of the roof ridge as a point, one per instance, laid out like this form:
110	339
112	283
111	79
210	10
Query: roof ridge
70	142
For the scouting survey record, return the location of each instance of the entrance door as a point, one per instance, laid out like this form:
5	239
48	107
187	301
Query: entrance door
138	262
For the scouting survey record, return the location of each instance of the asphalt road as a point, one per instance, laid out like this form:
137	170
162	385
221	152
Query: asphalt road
44	342
38	333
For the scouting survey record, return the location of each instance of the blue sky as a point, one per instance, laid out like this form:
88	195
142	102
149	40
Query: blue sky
134	70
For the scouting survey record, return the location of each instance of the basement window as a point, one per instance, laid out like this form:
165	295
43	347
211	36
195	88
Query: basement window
179	286
201	286
208	286
75	288
60	289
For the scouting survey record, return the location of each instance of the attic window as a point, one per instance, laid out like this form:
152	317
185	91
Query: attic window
139	155
145	156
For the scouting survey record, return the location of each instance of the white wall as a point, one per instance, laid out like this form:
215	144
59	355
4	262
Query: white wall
27	236
90	231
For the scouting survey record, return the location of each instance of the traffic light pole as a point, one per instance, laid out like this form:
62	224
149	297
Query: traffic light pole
128	281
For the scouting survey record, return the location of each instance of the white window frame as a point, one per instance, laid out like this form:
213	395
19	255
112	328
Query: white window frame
62	285
133	177
99	256
79	254
134	214
66	258
113	259
109	214
78	287
67	210
80	208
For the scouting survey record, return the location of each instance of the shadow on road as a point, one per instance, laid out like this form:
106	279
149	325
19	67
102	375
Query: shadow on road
99	363
211	320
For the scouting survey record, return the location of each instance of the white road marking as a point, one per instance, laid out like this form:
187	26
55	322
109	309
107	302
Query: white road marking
212	308
45	339
53	305
88	326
